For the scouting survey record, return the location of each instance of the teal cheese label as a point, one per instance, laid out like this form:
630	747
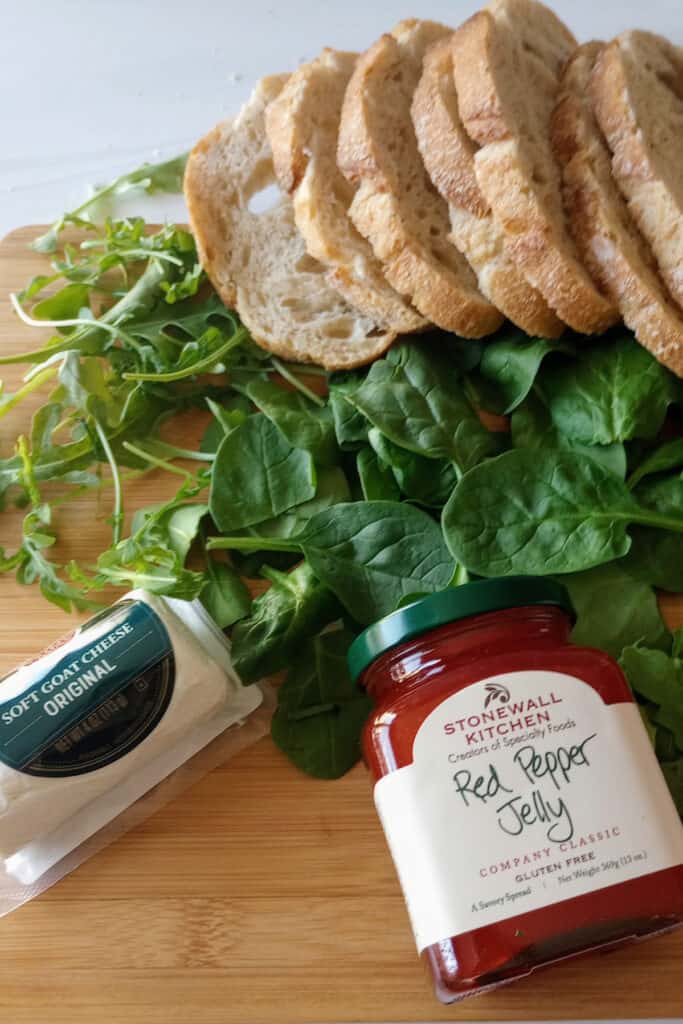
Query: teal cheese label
92	698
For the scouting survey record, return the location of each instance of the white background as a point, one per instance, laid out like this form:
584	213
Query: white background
92	88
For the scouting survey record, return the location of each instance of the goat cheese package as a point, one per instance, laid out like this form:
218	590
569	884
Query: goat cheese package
101	717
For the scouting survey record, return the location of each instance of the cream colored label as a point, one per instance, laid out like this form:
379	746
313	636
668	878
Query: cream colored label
526	789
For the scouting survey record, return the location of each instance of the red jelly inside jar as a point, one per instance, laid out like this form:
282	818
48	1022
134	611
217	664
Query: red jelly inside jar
522	802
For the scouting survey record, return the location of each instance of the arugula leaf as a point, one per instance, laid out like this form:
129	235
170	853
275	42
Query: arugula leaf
376	479
166	176
543	512
666	456
509	366
65	304
614	610
415	399
658	678
31	561
294	608
615	392
372	554
429	482
153	557
302	423
224	595
257	475
321	711
532	427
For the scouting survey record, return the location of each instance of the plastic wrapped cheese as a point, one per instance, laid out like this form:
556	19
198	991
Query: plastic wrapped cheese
95	722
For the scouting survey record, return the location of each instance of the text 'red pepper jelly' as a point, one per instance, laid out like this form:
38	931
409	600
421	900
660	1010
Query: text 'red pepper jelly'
520	796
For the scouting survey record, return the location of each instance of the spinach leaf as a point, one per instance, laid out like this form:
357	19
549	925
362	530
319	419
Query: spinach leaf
426	481
351	427
509	366
656	556
543	512
666	456
293	609
416	400
224	595
616	391
658	678
257	475
302	423
376	479
226	416
372	554
321	711
614	610
331	489
532	427
673	773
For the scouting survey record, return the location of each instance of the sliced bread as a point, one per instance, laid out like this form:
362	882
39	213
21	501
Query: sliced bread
395	205
507	62
302	126
606	236
637	89
448	154
257	261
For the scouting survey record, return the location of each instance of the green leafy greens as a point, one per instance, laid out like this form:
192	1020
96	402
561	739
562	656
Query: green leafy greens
336	498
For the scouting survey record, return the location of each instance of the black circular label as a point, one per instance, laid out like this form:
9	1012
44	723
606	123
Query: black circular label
113	728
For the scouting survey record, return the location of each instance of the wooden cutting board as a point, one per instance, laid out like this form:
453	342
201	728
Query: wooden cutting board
258	895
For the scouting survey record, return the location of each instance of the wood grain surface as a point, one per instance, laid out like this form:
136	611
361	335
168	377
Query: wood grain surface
259	895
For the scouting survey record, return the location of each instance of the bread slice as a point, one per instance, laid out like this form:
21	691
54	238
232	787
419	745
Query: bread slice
257	261
448	154
607	238
637	89
302	126
507	62
395	206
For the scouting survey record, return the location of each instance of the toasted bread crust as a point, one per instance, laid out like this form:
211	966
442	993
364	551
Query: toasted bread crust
302	126
507	63
395	206
448	154
257	261
605	233
637	90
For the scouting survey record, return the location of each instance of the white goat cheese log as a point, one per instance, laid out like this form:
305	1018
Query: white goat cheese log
102	706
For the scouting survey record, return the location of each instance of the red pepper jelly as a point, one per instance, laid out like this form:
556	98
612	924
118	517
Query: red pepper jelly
521	799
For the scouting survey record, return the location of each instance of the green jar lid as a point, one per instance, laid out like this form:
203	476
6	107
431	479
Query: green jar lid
450	605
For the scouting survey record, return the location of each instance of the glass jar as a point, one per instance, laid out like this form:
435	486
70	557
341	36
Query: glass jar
521	799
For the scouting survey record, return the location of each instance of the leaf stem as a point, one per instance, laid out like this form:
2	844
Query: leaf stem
182	453
251	544
36	381
154	461
234	341
296	382
658	521
117	515
71	322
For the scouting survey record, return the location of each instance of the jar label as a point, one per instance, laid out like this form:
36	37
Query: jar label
90	699
525	789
